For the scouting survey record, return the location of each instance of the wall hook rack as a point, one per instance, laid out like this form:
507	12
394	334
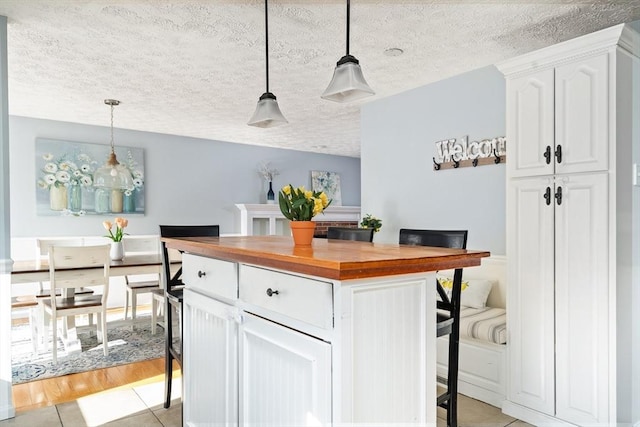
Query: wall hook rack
497	158
436	165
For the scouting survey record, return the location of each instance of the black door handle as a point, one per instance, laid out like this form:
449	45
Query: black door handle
558	153
547	154
558	196
547	195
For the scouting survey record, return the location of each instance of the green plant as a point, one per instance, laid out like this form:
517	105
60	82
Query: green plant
370	221
299	204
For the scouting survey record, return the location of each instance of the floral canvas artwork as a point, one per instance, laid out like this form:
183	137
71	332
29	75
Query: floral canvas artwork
64	179
329	183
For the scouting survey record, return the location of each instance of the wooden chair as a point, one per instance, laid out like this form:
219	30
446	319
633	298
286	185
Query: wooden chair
345	233
62	260
448	321
141	284
39	317
173	290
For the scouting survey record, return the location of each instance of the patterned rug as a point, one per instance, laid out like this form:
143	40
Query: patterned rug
125	346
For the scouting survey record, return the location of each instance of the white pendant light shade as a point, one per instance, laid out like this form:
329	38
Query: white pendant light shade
112	175
348	83
267	112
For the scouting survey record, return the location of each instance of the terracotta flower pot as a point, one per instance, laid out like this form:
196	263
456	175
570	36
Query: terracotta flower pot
302	232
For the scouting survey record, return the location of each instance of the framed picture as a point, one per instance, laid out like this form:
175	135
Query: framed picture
329	182
64	179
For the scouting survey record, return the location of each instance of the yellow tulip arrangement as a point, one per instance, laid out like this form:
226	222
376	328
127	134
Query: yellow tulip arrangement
300	204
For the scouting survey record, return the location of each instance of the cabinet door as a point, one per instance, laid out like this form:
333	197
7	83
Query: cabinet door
582	300
285	376
530	129
530	300
210	361
582	111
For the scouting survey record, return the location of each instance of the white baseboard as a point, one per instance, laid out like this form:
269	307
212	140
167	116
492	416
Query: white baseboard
7	411
532	417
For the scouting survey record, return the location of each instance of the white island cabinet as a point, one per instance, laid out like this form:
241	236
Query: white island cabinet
342	333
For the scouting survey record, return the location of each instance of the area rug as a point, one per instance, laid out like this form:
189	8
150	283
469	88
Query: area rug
125	346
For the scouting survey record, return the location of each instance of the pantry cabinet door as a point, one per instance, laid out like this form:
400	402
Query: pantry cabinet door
582	115
530	128
530	300
582	300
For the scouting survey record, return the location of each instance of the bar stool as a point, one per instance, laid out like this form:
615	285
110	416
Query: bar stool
346	233
173	293
448	321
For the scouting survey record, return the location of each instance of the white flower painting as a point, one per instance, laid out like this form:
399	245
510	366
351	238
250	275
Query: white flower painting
65	170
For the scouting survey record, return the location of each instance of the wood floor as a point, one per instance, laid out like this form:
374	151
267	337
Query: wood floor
51	391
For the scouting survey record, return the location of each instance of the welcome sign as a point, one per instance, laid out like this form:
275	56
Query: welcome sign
460	152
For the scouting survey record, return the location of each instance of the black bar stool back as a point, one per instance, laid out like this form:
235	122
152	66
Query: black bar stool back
173	290
448	322
345	233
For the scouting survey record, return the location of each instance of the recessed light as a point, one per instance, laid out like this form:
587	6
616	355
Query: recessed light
393	51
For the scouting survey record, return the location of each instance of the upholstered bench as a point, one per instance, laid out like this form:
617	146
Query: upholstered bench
482	371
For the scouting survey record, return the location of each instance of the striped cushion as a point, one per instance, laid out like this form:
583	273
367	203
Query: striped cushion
486	324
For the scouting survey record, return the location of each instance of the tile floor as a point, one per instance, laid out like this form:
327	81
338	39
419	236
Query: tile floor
141	406
138	406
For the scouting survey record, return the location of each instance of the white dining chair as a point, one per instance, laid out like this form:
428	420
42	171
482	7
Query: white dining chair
63	277
39	318
137	284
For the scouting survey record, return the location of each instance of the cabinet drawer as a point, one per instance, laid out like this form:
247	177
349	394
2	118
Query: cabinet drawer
308	300
210	276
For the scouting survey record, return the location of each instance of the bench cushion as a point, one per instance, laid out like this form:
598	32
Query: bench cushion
486	324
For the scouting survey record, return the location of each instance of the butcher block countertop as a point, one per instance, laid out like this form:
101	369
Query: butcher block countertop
331	259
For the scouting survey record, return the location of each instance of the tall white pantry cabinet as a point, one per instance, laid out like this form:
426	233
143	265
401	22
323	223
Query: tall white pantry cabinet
573	131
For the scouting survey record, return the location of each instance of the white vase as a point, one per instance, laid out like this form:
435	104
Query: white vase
117	251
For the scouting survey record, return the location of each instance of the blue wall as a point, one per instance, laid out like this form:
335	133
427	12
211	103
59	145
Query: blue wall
399	184
188	180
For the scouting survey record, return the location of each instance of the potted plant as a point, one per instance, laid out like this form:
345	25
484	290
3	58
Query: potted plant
299	206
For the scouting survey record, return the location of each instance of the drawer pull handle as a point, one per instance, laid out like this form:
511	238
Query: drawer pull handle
271	292
201	273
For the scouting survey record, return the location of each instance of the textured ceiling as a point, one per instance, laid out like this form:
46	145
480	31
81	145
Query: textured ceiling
197	68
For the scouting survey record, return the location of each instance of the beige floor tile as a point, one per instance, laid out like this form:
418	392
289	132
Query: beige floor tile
38	417
153	394
171	417
99	409
146	419
518	423
473	413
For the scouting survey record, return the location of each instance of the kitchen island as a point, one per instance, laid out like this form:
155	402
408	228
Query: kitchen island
339	333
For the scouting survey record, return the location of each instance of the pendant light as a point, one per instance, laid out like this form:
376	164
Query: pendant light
113	175
267	112
348	83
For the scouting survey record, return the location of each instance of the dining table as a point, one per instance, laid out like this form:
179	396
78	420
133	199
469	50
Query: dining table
30	271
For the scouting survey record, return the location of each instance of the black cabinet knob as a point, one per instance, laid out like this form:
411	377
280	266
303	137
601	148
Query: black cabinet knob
201	273
271	292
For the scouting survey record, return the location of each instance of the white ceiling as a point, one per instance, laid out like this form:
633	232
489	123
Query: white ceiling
197	68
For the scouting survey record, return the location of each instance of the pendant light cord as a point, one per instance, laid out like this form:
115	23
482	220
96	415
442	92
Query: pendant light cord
112	149
266	39
348	20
